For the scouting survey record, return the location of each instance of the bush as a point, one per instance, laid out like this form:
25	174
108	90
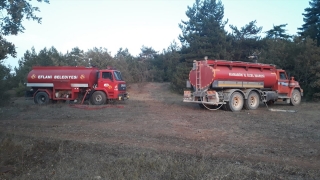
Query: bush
20	90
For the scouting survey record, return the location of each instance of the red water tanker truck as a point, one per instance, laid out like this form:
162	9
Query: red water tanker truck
234	85
76	84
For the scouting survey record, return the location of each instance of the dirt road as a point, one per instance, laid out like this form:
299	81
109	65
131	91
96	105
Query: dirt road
257	143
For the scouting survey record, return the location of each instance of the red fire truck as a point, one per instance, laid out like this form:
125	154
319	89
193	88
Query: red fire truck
76	84
234	85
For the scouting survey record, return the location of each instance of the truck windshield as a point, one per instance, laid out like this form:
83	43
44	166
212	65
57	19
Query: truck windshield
117	75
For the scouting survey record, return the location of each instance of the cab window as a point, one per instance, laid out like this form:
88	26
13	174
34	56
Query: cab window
117	75
283	75
106	75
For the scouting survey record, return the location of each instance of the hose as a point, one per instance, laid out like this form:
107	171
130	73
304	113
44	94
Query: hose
211	109
282	110
278	110
88	107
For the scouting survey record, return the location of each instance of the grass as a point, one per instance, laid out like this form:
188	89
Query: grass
60	159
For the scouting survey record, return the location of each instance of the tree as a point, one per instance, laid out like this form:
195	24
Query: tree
4	78
245	41
13	12
203	34
278	32
278	52
249	31
307	65
167	62
6	48
100	57
311	26
75	58
123	54
147	53
300	57
126	64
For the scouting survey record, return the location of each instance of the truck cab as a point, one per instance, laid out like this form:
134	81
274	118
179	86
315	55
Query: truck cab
111	83
283	86
287	88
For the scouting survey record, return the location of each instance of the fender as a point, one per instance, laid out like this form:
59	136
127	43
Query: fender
297	88
99	89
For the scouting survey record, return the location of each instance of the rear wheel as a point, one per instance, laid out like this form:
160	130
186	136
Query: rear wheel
98	98
236	102
253	101
41	98
295	98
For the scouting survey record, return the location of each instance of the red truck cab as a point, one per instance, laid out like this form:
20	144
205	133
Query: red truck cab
287	89
110	81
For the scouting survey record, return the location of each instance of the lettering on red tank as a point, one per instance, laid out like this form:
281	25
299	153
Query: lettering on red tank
65	77
57	77
44	76
247	75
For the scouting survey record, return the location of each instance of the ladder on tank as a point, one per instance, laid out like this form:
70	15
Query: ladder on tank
198	75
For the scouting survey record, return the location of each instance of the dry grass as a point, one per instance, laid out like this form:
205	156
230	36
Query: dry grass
56	159
156	136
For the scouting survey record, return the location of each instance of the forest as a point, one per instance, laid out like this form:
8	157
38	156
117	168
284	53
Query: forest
203	34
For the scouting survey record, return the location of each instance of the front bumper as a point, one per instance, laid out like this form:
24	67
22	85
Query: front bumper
122	97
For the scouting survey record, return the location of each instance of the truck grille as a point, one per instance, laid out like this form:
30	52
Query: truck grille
122	87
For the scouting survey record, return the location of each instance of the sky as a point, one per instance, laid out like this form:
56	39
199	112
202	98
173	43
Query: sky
115	24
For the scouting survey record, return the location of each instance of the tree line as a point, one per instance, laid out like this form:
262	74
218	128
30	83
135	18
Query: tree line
203	34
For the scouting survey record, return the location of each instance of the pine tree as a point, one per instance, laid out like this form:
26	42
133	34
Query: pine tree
203	34
311	26
278	32
245	41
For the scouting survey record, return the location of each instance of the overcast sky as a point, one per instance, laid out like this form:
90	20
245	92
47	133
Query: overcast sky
113	24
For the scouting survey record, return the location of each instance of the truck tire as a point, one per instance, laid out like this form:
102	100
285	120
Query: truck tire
295	98
98	98
253	101
41	98
236	102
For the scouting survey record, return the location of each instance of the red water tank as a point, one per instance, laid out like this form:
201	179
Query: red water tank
80	76
230	74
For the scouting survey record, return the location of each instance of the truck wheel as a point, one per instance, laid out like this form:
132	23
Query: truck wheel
295	98
41	98
253	101
98	98
236	102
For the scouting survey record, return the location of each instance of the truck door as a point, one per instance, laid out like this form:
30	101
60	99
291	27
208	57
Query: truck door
106	80
283	83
